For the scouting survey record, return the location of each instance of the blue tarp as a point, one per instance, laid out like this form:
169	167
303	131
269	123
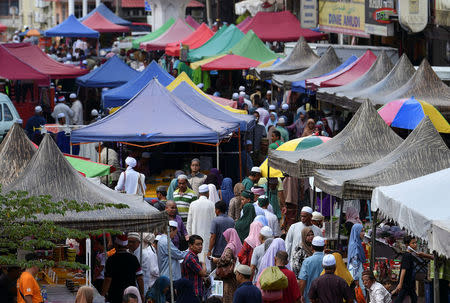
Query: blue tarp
108	14
112	73
71	27
120	95
300	86
155	115
193	99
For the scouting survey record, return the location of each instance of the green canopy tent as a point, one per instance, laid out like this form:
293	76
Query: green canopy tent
250	46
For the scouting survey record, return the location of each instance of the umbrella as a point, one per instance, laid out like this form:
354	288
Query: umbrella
33	33
293	145
407	114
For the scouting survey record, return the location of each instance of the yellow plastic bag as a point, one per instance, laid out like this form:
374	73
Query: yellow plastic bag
272	278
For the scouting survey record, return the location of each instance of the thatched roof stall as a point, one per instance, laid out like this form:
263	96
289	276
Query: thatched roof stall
364	140
301	57
381	67
328	62
49	173
423	152
15	152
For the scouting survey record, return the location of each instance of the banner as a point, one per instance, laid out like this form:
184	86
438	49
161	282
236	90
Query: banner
377	17
308	13
343	17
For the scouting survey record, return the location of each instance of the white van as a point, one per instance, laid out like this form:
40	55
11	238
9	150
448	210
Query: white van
8	115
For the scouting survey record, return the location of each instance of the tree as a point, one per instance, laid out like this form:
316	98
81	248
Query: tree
22	226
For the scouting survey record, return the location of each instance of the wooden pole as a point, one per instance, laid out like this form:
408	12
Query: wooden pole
372	242
436	278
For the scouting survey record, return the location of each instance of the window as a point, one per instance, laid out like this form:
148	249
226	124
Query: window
6	4
8	114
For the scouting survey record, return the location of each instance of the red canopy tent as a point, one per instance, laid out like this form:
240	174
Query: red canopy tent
194	40
231	62
2	28
280	26
38	60
14	69
178	31
102	25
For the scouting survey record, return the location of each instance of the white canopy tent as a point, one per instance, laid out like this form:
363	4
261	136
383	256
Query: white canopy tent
421	206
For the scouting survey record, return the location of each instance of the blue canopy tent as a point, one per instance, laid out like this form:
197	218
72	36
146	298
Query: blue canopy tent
120	95
155	115
71	27
193	99
112	73
300	86
108	14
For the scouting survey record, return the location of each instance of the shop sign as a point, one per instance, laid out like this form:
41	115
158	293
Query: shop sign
308	13
377	17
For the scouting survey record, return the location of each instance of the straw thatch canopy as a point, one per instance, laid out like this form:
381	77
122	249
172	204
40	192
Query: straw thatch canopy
364	140
15	152
328	62
301	57
423	152
336	95
49	173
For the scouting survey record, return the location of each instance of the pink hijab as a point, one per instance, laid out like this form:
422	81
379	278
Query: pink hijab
234	243
253	235
352	215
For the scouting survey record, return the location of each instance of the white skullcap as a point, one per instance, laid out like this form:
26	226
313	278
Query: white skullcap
38	109
72	96
94	112
203	188
256	169
272	107
328	260
281	121
241	88
173	223
317	216
266	232
182	177
243	269
318	241
145	155
60	115
235	96
158	237
200	85
248	142
130	161
84	62
285	106
307	209
242	94
134	236
19	121
268	92
69	56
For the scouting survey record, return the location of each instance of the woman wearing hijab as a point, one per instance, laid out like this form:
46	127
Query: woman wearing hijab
213	196
157	293
227	190
243	224
133	290
303	250
185	291
352	217
268	259
356	256
341	269
85	294
235	206
273	120
245	255
310	127
219	176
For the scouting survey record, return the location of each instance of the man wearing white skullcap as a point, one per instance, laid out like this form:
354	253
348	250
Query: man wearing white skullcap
317	219
281	127
266	238
61	107
245	100
183	197
242	88
130	181
330	287
77	108
163	253
235	96
34	124
294	235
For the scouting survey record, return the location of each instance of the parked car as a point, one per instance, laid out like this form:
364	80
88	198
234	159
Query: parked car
8	115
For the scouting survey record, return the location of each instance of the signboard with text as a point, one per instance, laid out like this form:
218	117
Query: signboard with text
308	13
377	17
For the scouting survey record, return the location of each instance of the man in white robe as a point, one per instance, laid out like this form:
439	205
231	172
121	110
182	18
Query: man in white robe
130	181
77	109
149	267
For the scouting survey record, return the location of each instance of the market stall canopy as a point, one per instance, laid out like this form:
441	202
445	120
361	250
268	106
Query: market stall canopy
192	22
179	31
244	22
15	69
73	28
15	152
188	95
423	152
220	43
231	62
154	34
408	204
364	140
328	62
108	14
301	57
35	57
252	47
287	27
33	33
118	96
155	115
112	73
202	34
49	173
99	23
3	28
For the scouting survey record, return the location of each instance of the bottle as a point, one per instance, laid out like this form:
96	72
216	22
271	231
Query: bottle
44	294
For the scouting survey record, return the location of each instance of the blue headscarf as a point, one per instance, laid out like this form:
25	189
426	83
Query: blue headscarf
227	190
185	291
270	122
355	247
261	219
156	291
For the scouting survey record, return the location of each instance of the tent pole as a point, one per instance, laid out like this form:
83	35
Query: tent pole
217	155
341	206
436	278
140	249
240	156
169	250
372	240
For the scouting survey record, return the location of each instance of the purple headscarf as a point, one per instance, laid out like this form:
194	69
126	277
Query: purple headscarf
219	176
268	259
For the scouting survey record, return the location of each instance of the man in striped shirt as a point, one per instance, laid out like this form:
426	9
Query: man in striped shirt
183	197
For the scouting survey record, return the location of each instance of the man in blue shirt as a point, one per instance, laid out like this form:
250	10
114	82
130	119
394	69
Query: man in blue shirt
176	254
34	124
246	291
219	224
311	268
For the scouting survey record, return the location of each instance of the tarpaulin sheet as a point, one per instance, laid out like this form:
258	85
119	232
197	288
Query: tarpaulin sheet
194	40
280	26
155	115
231	62
120	95
179	31
112	73
71	27
252	47
154	34
15	69
108	14
192	22
99	23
